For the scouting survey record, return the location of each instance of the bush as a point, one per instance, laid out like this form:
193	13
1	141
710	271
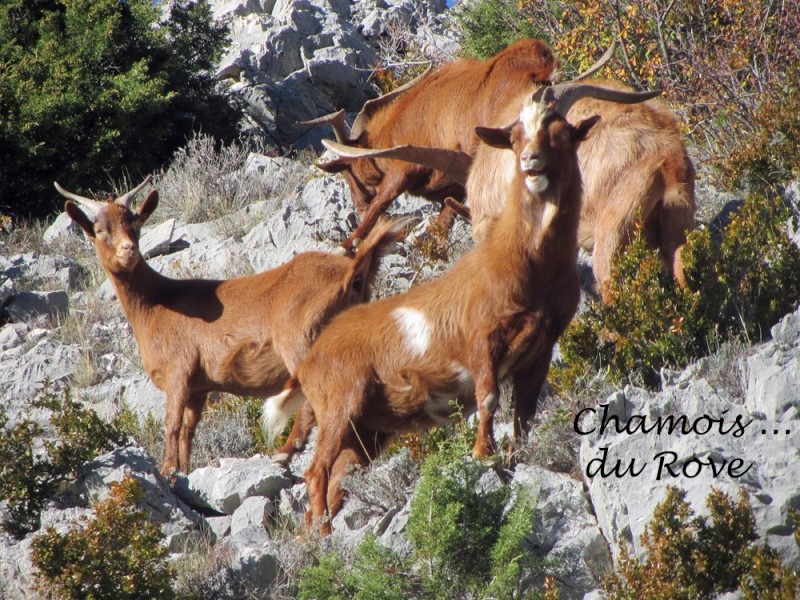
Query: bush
489	26
737	92
690	558
738	287
33	465
376	574
467	542
118	555
91	89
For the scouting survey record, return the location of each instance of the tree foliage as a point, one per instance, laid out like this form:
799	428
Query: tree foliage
729	67
737	286
92	91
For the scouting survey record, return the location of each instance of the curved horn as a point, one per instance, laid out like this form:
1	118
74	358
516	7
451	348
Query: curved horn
126	199
371	106
335	120
453	163
567	94
91	206
601	62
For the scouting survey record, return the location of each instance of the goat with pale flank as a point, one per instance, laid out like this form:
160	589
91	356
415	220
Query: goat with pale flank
395	365
634	164
437	110
244	336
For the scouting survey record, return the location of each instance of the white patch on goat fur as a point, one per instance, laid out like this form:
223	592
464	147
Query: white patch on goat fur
464	376
490	402
537	184
276	413
550	212
532	117
415	329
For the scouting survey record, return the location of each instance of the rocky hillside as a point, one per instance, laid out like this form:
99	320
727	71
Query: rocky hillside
738	410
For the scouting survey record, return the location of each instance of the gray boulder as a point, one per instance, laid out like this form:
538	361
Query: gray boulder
26	307
719	440
179	523
565	530
225	488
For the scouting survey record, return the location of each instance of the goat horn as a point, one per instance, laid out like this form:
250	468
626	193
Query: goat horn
335	120
453	163
371	106
567	94
126	199
601	62
91	206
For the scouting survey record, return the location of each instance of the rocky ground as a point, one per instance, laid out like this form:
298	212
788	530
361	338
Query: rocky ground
741	408
290	60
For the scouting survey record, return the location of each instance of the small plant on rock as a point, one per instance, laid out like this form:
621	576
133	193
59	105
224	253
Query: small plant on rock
117	555
690	557
736	288
34	464
467	542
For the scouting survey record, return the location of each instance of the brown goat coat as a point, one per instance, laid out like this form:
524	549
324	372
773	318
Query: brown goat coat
635	169
393	365
244	336
440	111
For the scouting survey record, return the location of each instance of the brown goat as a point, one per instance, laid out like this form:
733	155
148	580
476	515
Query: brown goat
396	364
244	336
634	164
438	110
635	169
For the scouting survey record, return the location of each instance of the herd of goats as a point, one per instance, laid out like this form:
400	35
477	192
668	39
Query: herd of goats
540	168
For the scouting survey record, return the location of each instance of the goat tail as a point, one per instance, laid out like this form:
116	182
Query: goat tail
278	410
384	234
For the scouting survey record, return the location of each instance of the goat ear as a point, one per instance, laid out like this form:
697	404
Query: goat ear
77	215
148	206
495	137
336	165
582	129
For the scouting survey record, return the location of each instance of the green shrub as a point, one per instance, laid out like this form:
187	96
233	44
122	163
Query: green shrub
752	278
97	88
376	574
117	555
489	26
689	558
467	542
738	287
34	463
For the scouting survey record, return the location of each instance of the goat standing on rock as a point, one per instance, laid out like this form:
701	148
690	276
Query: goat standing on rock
634	165
244	336
395	365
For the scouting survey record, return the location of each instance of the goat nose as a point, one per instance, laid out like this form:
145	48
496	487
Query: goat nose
530	160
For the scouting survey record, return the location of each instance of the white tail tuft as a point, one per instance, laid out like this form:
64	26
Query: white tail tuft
277	411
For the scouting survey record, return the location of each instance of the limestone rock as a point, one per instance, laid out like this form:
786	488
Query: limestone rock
178	522
226	487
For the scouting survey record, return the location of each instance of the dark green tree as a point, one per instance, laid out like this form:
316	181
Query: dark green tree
94	90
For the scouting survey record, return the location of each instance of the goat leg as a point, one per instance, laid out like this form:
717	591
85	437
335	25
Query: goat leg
527	384
191	417
298	437
487	397
177	399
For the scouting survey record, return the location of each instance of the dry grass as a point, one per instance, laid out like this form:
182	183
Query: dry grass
205	182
